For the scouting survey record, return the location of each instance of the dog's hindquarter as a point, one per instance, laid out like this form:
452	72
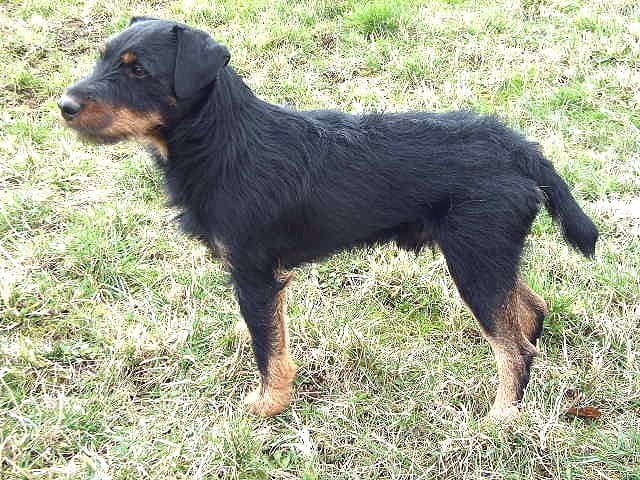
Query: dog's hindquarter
455	180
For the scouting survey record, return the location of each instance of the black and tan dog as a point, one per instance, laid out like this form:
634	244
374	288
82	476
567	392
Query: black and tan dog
270	188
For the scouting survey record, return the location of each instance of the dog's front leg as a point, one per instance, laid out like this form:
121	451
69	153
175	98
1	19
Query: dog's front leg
262	302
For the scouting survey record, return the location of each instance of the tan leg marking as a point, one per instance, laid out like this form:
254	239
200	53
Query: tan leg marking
513	351
530	318
276	389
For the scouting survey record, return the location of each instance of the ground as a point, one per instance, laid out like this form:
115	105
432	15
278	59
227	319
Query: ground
118	357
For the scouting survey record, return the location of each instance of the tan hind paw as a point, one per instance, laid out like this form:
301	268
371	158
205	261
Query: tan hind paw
269	401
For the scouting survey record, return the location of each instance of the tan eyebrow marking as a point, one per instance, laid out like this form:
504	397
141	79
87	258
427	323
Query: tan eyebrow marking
128	57
102	49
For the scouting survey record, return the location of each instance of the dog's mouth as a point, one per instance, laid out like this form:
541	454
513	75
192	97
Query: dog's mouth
91	127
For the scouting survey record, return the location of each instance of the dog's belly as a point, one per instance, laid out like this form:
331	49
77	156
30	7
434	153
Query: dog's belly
306	245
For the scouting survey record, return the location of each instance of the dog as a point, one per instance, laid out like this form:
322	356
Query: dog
268	188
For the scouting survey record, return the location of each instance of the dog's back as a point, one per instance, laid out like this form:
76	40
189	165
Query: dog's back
404	175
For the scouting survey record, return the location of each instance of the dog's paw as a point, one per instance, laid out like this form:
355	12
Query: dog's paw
268	401
504	414
241	332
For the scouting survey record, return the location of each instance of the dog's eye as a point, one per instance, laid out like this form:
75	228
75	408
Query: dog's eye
138	71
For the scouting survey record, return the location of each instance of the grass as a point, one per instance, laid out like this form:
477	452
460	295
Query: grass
117	353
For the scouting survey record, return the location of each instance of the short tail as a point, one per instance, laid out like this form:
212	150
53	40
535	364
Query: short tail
578	229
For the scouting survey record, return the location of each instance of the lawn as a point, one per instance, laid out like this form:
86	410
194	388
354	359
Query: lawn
118	358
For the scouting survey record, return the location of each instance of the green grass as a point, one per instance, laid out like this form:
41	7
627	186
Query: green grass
117	353
378	18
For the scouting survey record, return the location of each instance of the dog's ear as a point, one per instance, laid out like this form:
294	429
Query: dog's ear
199	59
140	19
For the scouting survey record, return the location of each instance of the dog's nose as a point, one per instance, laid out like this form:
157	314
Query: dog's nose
69	107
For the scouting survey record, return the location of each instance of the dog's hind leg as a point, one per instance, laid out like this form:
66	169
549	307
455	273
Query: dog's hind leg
514	353
482	253
262	300
532	309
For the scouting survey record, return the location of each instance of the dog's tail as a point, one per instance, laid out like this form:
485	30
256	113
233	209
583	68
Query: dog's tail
578	229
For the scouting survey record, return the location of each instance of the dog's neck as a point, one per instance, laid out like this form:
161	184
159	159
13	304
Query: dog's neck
215	147
214	119
209	136
217	127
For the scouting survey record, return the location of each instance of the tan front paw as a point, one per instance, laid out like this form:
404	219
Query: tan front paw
241	332
504	413
269	401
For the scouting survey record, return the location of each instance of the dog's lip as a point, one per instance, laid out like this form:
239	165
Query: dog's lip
89	135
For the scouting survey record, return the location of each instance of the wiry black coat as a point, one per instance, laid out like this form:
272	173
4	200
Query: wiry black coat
274	188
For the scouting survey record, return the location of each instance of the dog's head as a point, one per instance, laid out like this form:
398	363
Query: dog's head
145	76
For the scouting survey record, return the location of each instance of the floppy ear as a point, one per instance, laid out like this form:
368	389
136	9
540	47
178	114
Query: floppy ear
198	60
140	19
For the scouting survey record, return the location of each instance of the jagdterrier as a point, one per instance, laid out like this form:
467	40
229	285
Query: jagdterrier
269	188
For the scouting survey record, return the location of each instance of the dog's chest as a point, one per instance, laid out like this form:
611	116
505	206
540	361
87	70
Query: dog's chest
188	195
